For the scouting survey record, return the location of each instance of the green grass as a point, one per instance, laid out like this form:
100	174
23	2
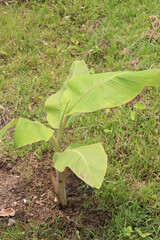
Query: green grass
38	43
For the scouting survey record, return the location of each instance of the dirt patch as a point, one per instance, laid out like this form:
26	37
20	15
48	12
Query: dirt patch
26	192
7	184
27	188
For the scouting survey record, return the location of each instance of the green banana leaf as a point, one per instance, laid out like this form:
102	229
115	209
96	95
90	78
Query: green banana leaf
90	93
53	107
28	132
89	162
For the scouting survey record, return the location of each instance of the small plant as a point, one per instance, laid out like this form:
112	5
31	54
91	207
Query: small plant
81	93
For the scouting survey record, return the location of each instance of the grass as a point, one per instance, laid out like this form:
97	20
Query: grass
38	42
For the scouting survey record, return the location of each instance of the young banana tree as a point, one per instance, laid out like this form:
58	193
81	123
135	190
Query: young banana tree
81	93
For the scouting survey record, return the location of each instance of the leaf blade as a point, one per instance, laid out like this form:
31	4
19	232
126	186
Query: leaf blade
89	163
38	132
106	90
52	104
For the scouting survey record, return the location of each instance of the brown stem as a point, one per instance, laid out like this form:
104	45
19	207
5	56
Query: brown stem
59	186
61	191
53	181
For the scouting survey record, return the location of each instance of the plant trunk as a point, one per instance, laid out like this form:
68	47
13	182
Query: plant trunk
61	191
59	187
59	181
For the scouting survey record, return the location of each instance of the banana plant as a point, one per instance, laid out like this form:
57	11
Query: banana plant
81	93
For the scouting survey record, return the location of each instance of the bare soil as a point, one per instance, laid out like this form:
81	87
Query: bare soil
33	198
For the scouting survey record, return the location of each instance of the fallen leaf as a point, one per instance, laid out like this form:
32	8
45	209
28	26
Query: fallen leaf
156	23
124	50
154	16
140	185
6	212
135	62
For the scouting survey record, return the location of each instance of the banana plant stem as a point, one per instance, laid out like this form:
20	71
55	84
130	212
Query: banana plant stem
59	181
61	130
61	190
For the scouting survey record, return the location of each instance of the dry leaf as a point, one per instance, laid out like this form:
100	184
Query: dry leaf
140	185
135	62
154	16
156	23
6	212
124	50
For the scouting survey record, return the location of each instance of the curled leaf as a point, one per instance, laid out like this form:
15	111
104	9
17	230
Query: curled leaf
88	162
6	212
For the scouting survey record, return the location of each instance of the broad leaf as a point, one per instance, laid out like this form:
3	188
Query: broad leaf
53	109
106	90
9	125
155	81
28	132
52	104
78	68
89	163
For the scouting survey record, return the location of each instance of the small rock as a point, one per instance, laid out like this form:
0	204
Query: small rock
11	222
14	204
25	201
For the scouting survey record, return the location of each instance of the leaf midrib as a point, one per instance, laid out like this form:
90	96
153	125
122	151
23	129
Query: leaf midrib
73	150
106	80
92	90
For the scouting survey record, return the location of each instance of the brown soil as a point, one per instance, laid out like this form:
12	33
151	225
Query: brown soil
33	198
